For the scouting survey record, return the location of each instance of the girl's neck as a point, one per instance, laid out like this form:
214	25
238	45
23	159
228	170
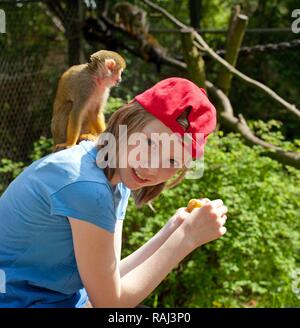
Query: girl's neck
115	179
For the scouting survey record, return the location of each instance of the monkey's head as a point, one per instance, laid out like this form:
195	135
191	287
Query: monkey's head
107	66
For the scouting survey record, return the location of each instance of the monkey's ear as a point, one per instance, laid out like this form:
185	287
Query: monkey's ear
110	64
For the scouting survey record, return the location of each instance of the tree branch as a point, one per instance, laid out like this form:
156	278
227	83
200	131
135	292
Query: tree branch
54	18
205	47
158	59
238	124
57	10
106	32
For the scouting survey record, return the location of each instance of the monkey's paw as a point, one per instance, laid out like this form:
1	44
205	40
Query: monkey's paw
60	146
87	136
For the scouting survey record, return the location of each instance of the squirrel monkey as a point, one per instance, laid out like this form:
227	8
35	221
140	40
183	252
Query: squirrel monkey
193	203
82	93
131	18
134	20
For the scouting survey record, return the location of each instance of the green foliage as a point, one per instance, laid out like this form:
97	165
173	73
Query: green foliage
8	166
28	29
251	265
10	169
271	132
113	104
277	69
41	148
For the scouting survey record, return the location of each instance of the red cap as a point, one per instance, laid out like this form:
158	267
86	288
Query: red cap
169	98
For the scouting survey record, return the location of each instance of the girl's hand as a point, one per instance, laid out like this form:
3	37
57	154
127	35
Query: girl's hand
206	223
181	214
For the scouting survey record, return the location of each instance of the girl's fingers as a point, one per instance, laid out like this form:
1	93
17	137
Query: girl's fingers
222	220
217	202
204	200
182	211
221	210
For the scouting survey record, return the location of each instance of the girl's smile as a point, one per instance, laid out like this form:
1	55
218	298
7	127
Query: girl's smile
137	176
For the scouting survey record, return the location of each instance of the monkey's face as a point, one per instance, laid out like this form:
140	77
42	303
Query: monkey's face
115	78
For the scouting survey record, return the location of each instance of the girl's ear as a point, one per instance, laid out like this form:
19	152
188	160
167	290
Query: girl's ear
110	64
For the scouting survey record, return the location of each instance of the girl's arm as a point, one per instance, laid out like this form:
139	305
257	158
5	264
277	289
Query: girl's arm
153	244
99	268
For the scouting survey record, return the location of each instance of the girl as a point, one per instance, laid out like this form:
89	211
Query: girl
61	219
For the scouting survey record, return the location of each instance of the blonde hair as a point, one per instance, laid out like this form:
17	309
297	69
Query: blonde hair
135	117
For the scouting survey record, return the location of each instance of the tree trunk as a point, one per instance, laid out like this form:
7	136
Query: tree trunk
74	32
234	40
194	61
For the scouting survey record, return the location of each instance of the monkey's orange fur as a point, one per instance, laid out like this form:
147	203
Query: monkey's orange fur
82	93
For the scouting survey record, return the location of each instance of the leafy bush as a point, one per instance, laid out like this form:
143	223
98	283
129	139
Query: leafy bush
113	104
41	148
9	169
252	264
272	132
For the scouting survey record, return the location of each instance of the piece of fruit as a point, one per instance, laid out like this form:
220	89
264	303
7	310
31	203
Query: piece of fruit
194	203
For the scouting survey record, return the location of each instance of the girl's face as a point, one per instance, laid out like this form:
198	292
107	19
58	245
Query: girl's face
139	172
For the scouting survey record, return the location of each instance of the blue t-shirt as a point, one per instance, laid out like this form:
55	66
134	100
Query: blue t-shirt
37	260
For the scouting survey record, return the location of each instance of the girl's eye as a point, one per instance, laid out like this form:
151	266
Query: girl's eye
151	143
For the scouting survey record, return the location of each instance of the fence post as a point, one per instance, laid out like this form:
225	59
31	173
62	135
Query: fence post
193	59
237	27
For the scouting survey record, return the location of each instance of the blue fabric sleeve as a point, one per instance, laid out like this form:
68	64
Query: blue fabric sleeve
89	201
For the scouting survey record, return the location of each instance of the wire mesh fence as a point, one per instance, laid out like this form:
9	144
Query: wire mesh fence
31	61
